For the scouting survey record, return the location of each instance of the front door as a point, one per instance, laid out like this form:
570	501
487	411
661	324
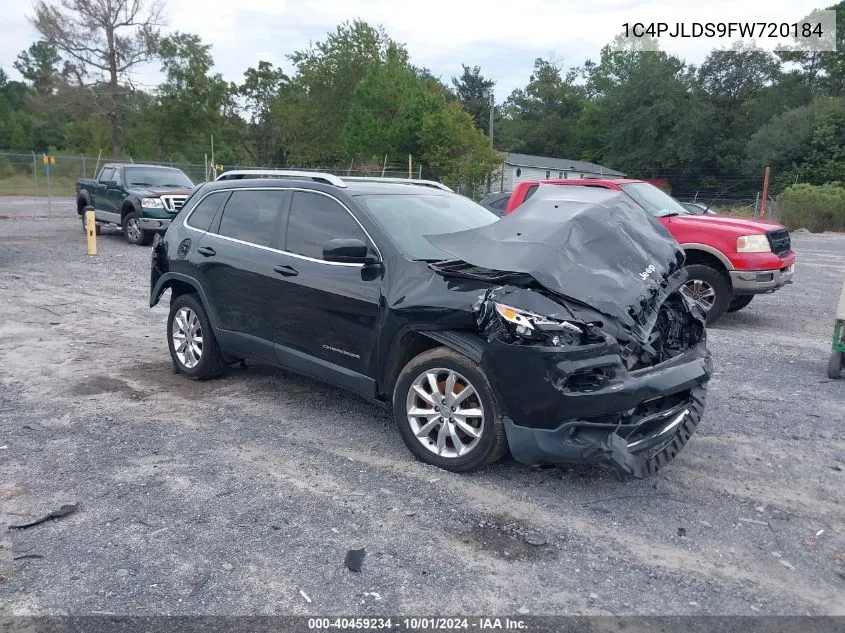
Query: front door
329	316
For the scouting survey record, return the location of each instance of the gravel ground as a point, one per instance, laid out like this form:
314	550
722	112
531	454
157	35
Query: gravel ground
243	495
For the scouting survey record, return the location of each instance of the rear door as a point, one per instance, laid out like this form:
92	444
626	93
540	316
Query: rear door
236	259
330	310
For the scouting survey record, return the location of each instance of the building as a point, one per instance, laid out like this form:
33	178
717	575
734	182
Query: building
519	167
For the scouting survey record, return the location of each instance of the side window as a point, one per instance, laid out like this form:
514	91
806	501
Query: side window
202	216
499	204
250	216
107	174
531	191
314	220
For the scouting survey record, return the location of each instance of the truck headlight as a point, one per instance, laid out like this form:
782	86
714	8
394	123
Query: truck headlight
529	325
152	203
753	244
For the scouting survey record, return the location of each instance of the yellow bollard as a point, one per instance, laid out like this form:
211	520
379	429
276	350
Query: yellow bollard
91	230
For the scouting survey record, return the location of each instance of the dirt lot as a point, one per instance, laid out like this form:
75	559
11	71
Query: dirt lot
242	495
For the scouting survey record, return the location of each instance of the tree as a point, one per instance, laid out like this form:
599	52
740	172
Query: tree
475	94
322	91
453	149
542	118
103	40
39	65
191	102
640	104
388	107
260	88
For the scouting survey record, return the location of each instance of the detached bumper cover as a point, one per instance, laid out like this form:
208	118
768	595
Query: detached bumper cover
620	423
759	281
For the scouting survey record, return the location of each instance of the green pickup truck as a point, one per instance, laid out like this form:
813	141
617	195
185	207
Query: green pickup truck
140	199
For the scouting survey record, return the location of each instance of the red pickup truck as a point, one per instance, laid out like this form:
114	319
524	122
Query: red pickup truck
729	260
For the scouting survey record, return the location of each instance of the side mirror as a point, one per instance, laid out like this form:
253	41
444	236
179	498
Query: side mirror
347	251
110	184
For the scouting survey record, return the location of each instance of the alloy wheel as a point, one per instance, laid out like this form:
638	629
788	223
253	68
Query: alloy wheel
701	292
445	412
133	229
187	337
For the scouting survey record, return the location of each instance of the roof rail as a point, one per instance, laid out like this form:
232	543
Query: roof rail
404	181
316	176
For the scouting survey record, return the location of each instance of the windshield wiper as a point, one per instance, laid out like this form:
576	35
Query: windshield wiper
142	184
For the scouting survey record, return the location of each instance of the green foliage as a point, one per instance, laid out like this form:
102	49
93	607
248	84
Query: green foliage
454	150
816	208
357	95
474	92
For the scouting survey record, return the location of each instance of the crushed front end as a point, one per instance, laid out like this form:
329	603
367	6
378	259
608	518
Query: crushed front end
578	388
594	352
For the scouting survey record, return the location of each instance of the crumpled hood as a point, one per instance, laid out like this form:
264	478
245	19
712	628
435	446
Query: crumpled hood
591	245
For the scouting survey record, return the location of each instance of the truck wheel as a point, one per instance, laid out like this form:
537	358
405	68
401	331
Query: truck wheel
446	412
133	232
708	288
191	341
739	302
835	365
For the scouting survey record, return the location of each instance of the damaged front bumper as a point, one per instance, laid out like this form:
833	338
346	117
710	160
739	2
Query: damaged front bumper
584	406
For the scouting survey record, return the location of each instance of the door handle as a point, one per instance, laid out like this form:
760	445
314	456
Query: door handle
286	271
206	251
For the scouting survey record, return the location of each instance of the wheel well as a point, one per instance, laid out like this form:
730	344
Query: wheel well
410	345
694	256
127	208
179	288
82	201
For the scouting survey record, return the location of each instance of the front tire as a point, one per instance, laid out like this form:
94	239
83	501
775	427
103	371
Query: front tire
191	341
710	289
835	365
739	302
132	231
447	413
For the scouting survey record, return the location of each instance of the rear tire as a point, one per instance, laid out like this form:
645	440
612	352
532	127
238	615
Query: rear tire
132	231
703	279
835	365
739	302
461	442
191	341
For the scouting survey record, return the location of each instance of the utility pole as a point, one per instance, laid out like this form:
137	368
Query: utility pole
765	193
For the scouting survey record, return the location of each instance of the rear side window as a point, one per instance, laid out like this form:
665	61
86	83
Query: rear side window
250	216
202	216
107	174
499	204
531	191
314	220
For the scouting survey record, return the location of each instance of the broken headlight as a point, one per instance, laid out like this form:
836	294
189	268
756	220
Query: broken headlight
534	327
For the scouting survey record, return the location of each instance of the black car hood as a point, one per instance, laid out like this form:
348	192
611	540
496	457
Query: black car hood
591	245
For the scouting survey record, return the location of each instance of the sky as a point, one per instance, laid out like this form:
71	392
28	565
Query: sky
503	37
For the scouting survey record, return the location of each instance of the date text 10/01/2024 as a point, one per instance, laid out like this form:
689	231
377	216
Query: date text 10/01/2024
724	29
418	624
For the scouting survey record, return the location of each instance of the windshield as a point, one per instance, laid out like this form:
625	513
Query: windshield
405	219
654	200
156	177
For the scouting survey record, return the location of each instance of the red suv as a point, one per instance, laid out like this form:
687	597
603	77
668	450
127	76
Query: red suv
729	260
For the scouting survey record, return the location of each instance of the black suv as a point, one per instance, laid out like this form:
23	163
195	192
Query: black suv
562	340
